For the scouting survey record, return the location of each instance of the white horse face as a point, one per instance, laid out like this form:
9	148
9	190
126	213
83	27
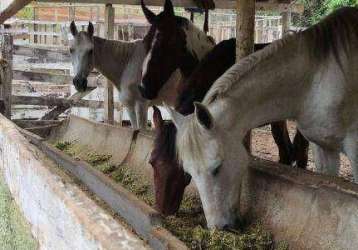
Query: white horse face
82	57
213	160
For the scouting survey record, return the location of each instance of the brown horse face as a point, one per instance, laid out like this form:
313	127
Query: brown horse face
169	178
166	45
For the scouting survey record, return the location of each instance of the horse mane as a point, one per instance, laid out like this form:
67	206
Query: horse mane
209	69
329	35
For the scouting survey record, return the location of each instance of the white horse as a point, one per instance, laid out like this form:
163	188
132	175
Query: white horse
310	77
119	61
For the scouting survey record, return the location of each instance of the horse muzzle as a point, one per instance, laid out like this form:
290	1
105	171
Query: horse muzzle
146	93
80	83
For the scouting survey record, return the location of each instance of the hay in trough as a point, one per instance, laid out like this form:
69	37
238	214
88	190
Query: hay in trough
189	223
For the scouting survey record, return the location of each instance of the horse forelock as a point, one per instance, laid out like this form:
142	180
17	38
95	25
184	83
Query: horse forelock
327	36
197	42
189	144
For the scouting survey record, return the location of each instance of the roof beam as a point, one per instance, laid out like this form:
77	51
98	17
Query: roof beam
12	9
278	5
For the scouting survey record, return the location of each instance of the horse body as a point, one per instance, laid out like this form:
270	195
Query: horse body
310	77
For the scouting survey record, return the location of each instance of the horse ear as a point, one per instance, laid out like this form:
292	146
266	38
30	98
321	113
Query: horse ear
157	118
203	116
73	28
90	29
149	15
176	117
168	8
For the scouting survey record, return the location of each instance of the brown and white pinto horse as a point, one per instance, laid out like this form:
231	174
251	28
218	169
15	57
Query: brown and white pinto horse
172	43
169	177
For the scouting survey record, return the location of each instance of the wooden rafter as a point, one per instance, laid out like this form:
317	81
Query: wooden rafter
12	9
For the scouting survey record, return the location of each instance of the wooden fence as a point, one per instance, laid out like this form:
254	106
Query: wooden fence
50	24
57	105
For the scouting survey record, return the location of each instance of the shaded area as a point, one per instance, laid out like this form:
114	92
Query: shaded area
14	231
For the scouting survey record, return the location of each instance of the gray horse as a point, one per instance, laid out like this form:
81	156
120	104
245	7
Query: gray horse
119	61
310	77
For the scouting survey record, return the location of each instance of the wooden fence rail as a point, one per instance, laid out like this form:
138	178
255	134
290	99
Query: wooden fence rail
54	54
55	101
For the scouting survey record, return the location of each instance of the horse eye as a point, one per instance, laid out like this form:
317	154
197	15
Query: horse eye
216	170
91	51
71	50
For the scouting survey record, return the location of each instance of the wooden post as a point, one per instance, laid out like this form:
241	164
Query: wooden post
286	22
6	70
108	90
72	13
245	37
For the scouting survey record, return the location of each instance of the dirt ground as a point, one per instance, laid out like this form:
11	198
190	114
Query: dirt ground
264	146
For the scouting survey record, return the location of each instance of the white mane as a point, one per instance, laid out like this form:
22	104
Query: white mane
197	41
238	70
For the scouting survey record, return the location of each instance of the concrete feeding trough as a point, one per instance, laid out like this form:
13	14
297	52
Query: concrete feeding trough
307	210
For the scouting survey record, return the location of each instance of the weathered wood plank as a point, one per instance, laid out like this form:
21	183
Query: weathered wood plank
12	9
24	123
286	22
41	77
51	101
245	38
58	55
54	113
93	79
6	74
277	5
108	91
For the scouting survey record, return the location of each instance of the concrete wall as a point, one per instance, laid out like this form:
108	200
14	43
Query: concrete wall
61	215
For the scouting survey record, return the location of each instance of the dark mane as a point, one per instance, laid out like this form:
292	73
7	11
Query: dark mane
333	33
210	68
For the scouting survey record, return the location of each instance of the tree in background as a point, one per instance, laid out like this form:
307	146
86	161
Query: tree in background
315	10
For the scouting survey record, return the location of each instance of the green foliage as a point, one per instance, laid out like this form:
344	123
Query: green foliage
26	13
315	10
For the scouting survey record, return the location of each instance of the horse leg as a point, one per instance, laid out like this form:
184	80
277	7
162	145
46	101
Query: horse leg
327	161
280	134
132	116
300	148
141	110
350	148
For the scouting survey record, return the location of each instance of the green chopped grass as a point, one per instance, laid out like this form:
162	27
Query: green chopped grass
189	223
15	233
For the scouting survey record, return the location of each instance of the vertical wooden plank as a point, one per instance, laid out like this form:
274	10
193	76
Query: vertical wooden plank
245	25
72	13
108	90
7	48
286	22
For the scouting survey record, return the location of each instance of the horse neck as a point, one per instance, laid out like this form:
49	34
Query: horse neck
197	46
112	57
271	91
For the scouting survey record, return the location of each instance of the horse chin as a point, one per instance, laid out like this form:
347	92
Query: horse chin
147	94
80	84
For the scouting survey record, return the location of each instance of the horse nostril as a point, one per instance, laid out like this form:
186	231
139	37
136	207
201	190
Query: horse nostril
142	91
